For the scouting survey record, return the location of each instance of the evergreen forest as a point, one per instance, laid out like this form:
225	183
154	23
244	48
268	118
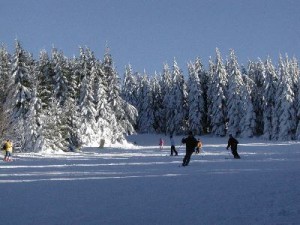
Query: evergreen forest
60	103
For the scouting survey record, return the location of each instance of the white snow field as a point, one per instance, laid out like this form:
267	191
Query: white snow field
141	185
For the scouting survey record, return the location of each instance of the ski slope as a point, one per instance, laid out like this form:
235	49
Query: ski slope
140	184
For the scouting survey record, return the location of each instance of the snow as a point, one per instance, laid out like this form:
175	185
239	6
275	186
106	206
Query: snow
140	184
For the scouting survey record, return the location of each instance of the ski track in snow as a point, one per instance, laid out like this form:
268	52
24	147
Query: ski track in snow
144	185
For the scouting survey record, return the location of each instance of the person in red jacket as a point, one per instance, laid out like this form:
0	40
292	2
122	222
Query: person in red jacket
232	143
161	143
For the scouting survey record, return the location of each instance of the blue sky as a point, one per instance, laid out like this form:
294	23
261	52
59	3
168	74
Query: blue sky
149	33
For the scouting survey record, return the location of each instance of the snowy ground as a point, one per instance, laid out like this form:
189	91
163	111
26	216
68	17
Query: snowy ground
141	185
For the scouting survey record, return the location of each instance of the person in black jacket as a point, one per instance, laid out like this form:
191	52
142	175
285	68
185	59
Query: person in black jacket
232	143
191	144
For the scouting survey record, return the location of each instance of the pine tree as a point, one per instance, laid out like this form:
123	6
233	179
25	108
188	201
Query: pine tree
42	87
209	94
270	86
217	96
204	82
61	74
45	80
158	108
146	115
20	93
33	131
130	87
105	117
236	97
5	67
125	114
86	99
295	74
5	71
248	118
179	94
256	72
70	126
195	100
168	101
285	108
53	138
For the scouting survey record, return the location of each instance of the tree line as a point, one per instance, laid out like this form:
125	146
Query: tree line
259	99
55	102
60	103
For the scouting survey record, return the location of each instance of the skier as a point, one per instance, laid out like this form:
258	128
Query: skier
191	143
199	146
173	146
232	143
7	147
161	143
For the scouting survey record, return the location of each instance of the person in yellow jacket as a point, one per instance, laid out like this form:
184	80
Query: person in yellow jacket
8	148
199	146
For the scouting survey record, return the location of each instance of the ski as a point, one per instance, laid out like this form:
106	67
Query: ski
10	160
182	166
231	158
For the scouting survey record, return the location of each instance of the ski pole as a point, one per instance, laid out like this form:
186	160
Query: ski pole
203	152
180	148
229	155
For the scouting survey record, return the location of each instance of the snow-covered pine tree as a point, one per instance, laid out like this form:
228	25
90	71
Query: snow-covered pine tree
168	101
270	86
70	119
158	108
130	87
105	117
5	75
32	117
236	96
295	74
45	116
256	71
146	114
63	85
5	70
99	90
72	105
285	107
70	126
204	82
293	69
87	107
45	80
209	94
195	99
33	139
44	108
111	80
217	96
53	138
248	118
179	93
20	94
125	114
61	74
129	118
129	95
